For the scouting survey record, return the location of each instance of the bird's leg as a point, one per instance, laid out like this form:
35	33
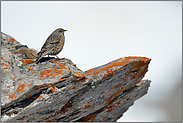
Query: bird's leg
48	56
57	58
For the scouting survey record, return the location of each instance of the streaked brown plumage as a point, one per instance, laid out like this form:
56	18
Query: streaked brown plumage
53	45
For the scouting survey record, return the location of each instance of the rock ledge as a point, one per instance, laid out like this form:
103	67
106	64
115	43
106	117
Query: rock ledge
57	91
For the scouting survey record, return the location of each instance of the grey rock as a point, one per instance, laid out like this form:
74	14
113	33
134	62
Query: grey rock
56	90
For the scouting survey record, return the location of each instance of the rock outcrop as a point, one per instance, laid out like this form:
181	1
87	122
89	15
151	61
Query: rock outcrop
57	91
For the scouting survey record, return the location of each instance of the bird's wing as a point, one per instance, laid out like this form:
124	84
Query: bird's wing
51	41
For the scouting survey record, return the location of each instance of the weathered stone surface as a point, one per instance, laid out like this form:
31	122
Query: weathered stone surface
57	91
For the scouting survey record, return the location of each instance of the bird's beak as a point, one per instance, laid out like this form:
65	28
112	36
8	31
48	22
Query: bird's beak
65	30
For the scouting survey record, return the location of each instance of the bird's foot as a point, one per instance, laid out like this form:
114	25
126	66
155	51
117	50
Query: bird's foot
58	58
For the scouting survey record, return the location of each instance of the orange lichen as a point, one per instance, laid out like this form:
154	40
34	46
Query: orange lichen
31	114
139	58
46	72
47	75
12	96
27	61
22	119
79	74
12	39
89	71
105	117
102	92
117	86
96	72
92	118
108	101
87	106
30	84
36	87
119	62
73	88
110	107
28	67
2	58
2	64
138	84
29	95
55	70
59	71
118	103
40	97
49	84
61	66
9	42
90	101
21	88
66	109
61	79
41	76
53	89
42	118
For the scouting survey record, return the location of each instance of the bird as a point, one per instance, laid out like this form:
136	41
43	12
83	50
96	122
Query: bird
53	45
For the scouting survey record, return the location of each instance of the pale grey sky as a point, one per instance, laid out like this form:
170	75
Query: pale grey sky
99	32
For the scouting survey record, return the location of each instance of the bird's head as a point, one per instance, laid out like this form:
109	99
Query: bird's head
59	31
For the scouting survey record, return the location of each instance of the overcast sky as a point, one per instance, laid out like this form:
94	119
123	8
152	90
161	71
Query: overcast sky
99	32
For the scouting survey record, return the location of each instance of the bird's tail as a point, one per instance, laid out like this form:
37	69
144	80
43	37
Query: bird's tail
40	55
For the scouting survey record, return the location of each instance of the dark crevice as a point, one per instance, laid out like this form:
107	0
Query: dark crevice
21	104
134	71
44	59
